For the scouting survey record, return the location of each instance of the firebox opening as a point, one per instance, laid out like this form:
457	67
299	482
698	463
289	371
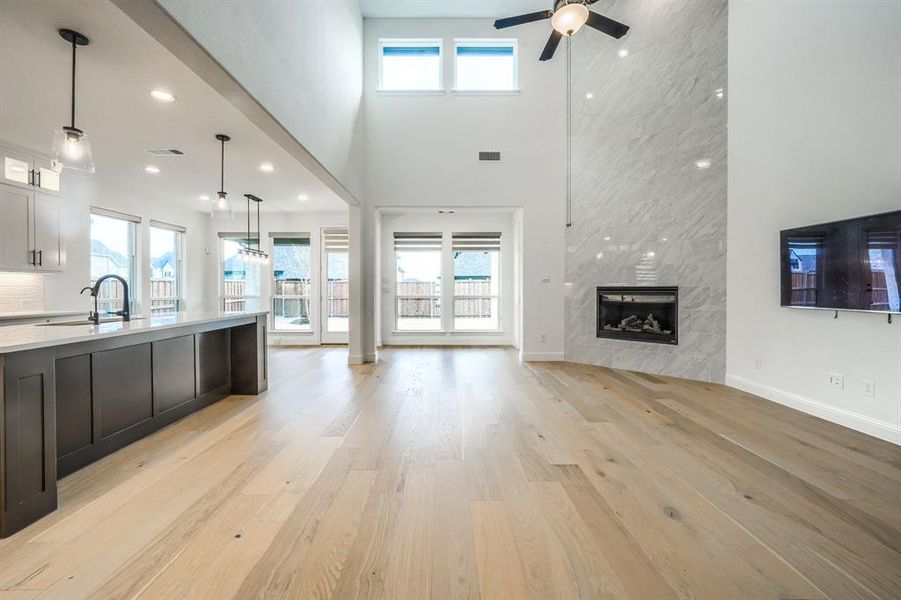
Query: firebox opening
642	314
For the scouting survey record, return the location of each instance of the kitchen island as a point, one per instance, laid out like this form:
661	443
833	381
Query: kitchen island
74	392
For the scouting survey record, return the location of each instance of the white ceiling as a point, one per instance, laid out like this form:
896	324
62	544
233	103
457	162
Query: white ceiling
115	75
450	8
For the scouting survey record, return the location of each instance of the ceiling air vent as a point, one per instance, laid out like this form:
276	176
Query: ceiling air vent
485	155
164	151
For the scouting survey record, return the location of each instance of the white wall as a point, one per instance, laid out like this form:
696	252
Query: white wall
60	291
814	136
421	150
460	221
294	222
301	60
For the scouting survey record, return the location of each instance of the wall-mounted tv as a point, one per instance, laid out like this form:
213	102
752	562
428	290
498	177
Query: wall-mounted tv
845	265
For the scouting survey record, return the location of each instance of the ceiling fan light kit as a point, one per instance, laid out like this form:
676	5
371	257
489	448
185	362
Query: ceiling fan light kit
567	17
71	147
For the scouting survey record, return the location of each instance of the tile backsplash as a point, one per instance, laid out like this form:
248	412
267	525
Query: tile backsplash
21	292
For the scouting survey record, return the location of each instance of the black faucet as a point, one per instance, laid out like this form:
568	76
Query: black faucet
95	291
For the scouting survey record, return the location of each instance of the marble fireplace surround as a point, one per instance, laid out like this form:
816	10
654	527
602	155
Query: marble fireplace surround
649	186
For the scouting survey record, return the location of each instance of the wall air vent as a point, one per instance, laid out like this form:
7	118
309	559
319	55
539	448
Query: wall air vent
164	151
490	156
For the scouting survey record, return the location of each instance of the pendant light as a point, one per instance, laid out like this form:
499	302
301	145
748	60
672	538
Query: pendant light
250	252
222	206
71	148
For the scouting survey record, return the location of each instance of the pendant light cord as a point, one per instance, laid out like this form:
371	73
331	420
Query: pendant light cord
74	46
569	134
259	245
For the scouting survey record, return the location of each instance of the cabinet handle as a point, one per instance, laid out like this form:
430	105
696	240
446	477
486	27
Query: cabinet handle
40	258
31	177
34	257
37	177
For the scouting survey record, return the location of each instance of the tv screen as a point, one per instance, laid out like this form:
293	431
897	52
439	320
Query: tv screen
850	265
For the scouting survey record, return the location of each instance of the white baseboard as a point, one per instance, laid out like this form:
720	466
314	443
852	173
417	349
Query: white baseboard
359	359
541	356
875	427
426	340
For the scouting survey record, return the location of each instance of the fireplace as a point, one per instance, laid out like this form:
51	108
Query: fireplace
639	314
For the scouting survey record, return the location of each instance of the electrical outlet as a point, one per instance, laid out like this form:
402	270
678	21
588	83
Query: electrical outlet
869	387
542	337
758	363
835	380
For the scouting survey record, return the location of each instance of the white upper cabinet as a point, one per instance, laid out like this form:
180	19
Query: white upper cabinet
30	213
16	229
50	253
23	169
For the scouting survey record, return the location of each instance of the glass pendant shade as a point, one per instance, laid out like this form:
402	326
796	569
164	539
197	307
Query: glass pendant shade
221	207
72	150
569	19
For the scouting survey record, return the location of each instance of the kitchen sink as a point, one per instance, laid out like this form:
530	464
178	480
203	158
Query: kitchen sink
84	322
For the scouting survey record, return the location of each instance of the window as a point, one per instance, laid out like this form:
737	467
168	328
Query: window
337	297
418	281
240	284
291	283
165	268
476	281
485	65
410	65
113	252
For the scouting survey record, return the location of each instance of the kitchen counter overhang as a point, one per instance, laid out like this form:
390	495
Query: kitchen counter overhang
72	394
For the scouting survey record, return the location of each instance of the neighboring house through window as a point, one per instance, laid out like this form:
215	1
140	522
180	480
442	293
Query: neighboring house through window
113	251
166	243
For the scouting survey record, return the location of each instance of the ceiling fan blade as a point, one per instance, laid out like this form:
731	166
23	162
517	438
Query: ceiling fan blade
551	45
521	19
605	25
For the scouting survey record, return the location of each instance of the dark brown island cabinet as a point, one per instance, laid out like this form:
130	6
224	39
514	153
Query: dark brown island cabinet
71	395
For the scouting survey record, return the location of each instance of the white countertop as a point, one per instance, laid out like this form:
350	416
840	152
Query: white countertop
14	338
38	314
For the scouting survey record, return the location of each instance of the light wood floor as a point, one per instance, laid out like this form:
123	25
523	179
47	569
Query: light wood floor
461	473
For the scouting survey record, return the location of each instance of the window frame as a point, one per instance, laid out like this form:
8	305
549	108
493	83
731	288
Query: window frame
273	296
488	43
134	284
411	43
497	298
223	298
180	278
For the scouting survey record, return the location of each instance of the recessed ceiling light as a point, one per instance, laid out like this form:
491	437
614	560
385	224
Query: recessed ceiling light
162	95
152	169
303	197
650	254
589	96
203	197
267	167
623	53
719	93
704	163
606	238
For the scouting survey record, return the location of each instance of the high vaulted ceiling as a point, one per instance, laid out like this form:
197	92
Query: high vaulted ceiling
115	75
450	8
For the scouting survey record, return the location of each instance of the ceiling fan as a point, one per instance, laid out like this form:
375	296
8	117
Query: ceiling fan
567	18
